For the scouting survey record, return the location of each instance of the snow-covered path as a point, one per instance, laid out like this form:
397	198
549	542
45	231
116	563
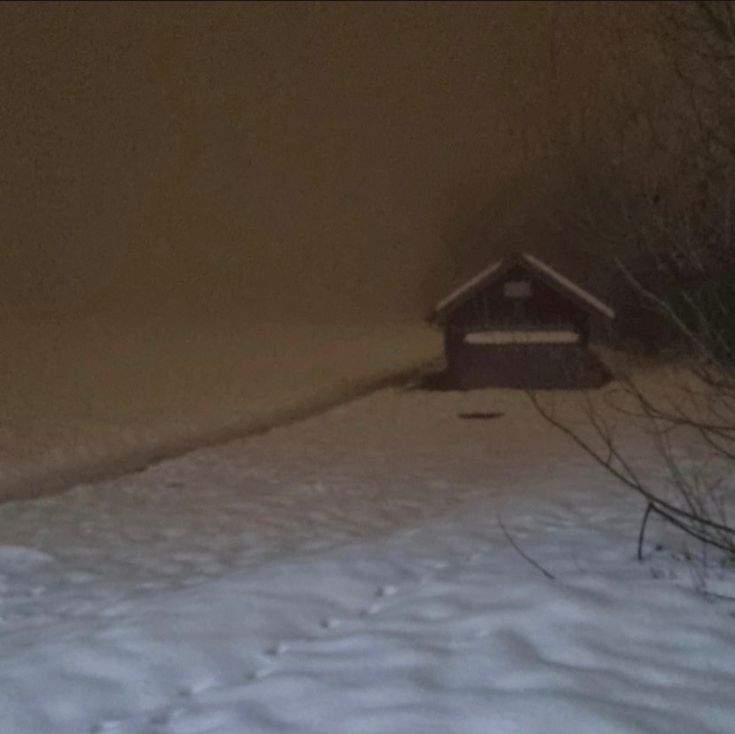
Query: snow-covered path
348	574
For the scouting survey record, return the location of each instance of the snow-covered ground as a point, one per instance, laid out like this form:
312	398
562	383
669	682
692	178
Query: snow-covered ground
349	574
86	397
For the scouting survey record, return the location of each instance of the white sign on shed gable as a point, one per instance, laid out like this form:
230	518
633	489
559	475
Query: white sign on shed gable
517	289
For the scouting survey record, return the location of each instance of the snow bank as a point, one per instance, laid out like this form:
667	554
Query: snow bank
85	398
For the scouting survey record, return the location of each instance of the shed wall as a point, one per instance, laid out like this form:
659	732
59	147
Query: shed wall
539	366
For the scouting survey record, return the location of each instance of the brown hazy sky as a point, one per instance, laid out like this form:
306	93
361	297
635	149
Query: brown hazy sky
311	158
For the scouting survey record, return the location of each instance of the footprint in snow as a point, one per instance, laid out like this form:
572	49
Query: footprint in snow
105	727
163	717
260	674
382	592
385	591
436	565
279	648
195	688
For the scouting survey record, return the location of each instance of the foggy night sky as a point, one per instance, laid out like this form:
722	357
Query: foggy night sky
304	159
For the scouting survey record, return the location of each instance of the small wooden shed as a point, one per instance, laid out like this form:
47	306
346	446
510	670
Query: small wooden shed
518	323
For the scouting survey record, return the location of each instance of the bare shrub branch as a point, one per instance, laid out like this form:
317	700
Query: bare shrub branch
653	175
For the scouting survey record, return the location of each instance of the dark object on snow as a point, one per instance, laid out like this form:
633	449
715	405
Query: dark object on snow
520	324
481	416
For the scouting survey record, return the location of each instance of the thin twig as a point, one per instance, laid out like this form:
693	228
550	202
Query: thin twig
520	551
642	531
715	595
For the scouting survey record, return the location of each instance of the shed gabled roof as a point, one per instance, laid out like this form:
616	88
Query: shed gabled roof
531	263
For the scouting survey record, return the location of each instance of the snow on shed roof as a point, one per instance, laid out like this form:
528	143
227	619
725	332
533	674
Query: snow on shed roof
569	285
457	293
464	291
